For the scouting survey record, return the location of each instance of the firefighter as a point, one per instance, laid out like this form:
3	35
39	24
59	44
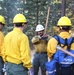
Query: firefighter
40	45
64	24
16	49
2	24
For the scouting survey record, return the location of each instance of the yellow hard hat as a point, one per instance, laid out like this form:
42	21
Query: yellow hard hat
19	18
2	19
64	21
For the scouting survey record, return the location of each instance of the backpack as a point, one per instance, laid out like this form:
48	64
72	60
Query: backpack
51	67
61	57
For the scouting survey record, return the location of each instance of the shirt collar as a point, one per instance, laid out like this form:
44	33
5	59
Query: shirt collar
65	35
17	29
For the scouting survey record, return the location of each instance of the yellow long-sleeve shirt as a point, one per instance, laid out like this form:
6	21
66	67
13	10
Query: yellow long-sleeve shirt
52	44
1	41
16	48
39	44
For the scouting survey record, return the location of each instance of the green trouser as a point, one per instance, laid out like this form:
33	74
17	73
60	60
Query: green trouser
1	66
16	69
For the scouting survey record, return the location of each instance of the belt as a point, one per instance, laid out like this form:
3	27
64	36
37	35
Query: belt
41	52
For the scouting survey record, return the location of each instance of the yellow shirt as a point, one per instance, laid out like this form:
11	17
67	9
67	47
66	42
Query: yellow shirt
52	44
16	48
1	41
39	44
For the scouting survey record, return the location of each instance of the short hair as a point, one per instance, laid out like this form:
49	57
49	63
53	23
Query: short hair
18	24
66	28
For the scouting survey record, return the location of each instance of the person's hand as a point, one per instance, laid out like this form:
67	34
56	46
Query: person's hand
31	71
38	36
35	39
45	35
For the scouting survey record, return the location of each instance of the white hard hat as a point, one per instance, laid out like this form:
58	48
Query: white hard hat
39	27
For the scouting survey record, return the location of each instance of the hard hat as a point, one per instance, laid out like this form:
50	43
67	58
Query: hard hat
39	27
64	21
19	18
2	20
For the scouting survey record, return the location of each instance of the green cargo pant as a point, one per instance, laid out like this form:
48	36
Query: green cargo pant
1	66
16	69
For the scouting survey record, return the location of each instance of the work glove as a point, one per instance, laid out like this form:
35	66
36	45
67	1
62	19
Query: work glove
36	39
31	71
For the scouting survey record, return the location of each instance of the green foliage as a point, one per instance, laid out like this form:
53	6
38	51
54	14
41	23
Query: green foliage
36	12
